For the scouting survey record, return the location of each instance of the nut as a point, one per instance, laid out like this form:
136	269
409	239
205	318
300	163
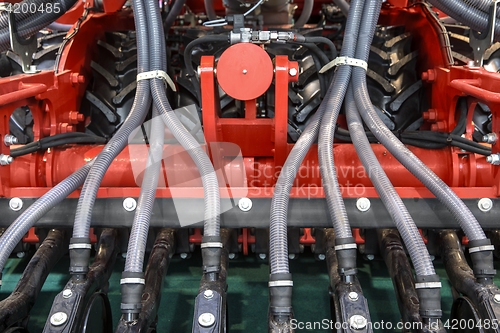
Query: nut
206	319
485	204
129	204
493	159
9	140
363	204
208	294
58	318
358	322
245	204
353	296
16	204
292	71
6	159
67	293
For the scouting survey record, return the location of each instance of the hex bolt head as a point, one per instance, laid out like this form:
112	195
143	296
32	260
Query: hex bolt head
6	159
231	256
493	159
490	138
357	322
129	204
67	293
58	318
353	296
208	294
291	256
292	71
183	255
245	204
321	256
363	204
206	319
9	140
21	254
496	298
16	204
262	256
485	204
370	257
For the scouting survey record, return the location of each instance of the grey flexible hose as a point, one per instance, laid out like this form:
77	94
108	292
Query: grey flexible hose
305	15
343	5
15	232
29	24
172	15
117	143
392	201
278	246
186	139
466	14
335	203
209	8
442	191
140	227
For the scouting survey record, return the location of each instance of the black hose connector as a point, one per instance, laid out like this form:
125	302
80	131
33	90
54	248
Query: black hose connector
429	296
211	251
79	255
280	294
132	287
346	256
481	253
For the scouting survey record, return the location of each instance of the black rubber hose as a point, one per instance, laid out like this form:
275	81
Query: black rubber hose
172	15
304	16
209	8
324	40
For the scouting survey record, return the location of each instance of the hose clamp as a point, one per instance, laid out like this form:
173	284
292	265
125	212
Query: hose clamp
132	281
341	61
157	75
346	246
482	248
211	244
80	246
281	283
427	285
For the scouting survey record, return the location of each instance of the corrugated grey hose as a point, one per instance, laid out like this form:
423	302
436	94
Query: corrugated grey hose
462	214
29	24
138	112
336	208
140	227
15	232
305	15
278	246
466	14
392	201
181	134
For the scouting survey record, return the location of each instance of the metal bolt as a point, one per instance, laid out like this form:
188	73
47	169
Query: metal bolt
493	159
183	255
67	293
370	257
485	204
232	256
16	204
129	204
208	294
9	140
292	71
357	322
490	138
291	256
58	318
496	298
321	256
262	256
5	159
206	319
20	254
353	296
363	204
245	71
245	204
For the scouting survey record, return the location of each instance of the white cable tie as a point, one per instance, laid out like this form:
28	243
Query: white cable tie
482	248
281	283
427	285
80	246
157	75
346	246
341	61
211	244
132	281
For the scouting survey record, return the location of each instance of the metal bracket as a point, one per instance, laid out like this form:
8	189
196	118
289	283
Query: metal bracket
24	47
480	42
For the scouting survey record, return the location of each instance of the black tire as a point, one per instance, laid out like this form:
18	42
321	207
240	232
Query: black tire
394	86
110	94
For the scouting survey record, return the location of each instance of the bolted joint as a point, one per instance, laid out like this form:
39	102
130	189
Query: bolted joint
490	138
493	159
6	159
280	296
132	287
429	294
211	252
79	255
481	253
346	250
10	140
